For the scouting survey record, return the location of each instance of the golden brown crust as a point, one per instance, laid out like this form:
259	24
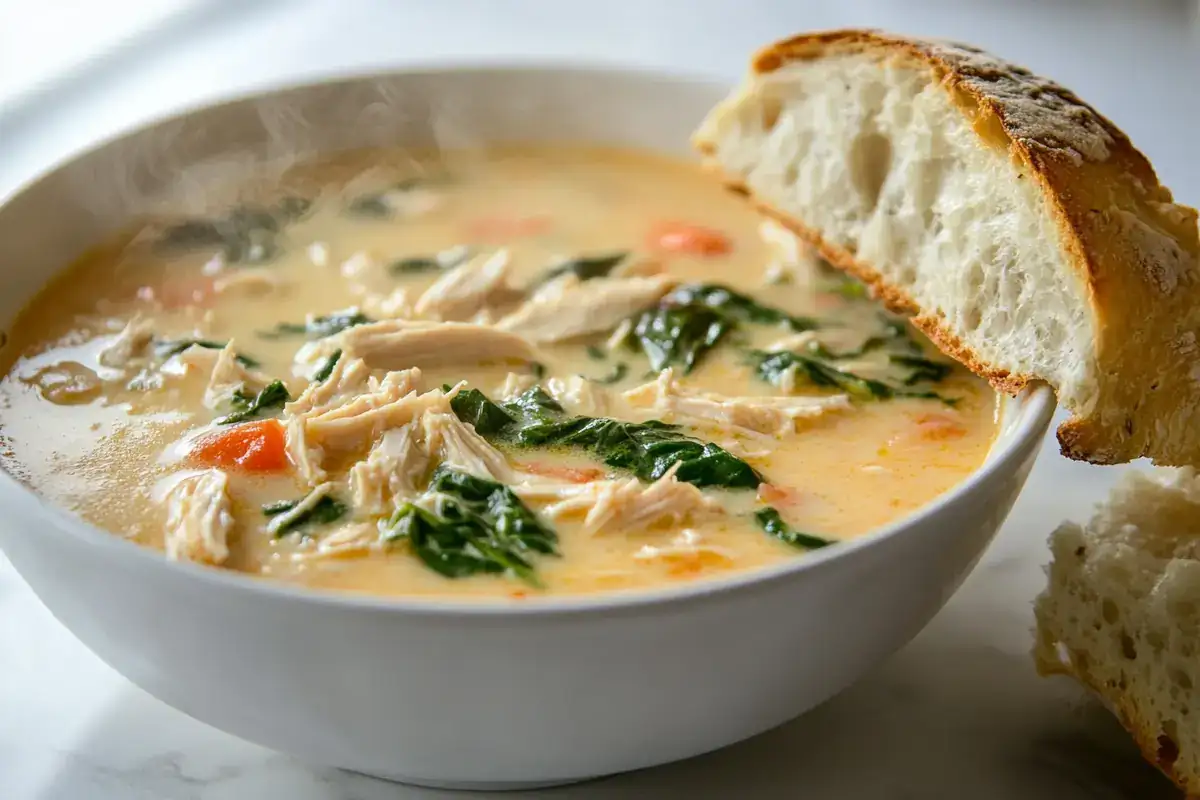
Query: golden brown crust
1134	251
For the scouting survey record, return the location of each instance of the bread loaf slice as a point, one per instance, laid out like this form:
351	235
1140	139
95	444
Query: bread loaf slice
1121	614
1023	231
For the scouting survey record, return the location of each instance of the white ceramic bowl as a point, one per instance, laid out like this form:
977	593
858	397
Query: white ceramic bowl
444	693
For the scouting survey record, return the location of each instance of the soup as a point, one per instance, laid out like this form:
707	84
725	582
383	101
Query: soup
513	374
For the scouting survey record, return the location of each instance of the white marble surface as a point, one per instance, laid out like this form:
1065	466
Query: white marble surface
958	713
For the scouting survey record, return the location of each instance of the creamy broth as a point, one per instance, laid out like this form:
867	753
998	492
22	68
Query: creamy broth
110	431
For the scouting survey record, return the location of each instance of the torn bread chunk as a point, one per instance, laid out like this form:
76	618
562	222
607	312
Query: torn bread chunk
400	344
199	518
1121	613
129	344
568	308
1023	230
392	470
467	289
621	505
764	418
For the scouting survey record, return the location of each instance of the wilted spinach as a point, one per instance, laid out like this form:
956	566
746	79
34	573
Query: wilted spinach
326	510
772	367
165	348
771	522
246	407
246	235
319	327
585	268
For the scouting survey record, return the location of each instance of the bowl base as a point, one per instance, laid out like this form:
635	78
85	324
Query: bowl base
475	786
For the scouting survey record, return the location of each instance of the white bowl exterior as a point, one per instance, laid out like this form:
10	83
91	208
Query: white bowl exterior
489	695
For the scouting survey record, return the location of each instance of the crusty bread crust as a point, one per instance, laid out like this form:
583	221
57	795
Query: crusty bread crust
1134	249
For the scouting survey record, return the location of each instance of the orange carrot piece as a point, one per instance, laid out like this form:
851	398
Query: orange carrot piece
779	496
252	446
696	240
570	474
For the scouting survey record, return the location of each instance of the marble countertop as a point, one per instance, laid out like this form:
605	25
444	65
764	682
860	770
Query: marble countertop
957	713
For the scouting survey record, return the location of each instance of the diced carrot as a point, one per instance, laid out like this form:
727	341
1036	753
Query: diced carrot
782	496
696	240
570	474
500	229
518	594
939	427
252	446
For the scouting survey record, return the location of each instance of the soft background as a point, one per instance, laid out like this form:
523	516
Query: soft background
957	714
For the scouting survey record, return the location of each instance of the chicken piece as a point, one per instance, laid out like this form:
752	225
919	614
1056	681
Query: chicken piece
794	342
579	395
467	289
686	549
456	444
400	344
306	458
762	417
386	404
623	505
568	308
354	539
394	305
366	275
199	519
391	471
349	376
515	384
228	375
281	521
129	344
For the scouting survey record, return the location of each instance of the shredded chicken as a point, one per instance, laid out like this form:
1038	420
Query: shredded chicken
386	404
228	374
467	289
306	458
568	307
388	306
391	471
579	395
400	344
366	275
687	545
458	445
199	519
129	344
515	384
349	540
794	342
619	335
770	417
624	504
793	260
349	376
317	494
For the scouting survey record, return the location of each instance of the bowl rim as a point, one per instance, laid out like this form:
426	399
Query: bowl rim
1037	408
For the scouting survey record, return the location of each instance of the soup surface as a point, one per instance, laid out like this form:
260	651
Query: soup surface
507	374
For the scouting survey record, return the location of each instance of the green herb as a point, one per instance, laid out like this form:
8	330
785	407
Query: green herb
326	369
770	521
538	369
646	449
272	396
475	526
922	369
473	407
772	367
736	305
597	353
246	235
679	334
585	267
619	371
414	265
319	327
381	204
165	348
323	512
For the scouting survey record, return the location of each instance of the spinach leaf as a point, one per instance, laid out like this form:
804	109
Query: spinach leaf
324	511
770	521
326	369
473	407
585	267
772	367
679	335
319	327
475	526
597	353
534	406
382	204
165	348
415	265
619	371
922	369
246	235
272	396
736	305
